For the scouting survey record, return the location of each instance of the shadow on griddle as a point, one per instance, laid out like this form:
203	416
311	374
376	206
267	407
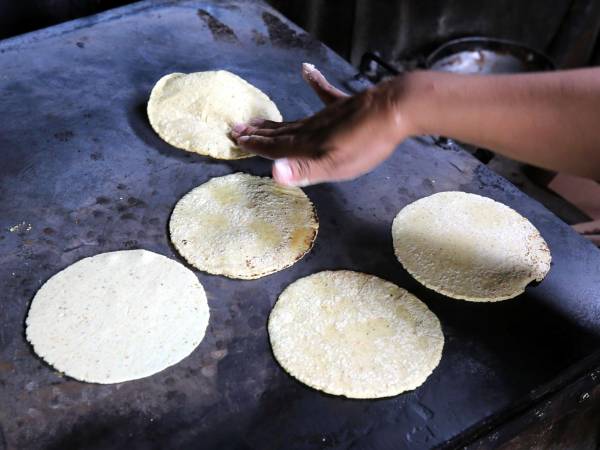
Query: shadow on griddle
352	242
97	431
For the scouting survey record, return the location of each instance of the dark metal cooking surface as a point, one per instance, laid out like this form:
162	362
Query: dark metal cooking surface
83	173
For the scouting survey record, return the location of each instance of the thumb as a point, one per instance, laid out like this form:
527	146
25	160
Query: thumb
301	171
325	90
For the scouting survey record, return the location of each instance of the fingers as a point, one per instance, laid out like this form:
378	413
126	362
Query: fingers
240	129
272	147
264	123
326	92
260	127
259	145
594	238
288	128
592	227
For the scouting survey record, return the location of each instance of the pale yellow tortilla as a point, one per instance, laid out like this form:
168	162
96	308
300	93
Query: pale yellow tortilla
118	316
469	247
196	111
243	226
351	334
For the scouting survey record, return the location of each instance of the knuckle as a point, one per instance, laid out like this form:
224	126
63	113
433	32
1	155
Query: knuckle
329	163
302	168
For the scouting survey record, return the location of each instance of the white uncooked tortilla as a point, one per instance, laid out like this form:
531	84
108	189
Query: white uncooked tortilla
469	247
118	316
352	334
196	111
243	226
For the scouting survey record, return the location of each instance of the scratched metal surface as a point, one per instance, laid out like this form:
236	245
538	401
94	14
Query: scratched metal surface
81	173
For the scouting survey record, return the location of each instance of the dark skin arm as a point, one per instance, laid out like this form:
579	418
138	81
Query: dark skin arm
551	120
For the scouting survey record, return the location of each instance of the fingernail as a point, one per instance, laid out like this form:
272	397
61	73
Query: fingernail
283	171
243	138
308	67
238	127
308	70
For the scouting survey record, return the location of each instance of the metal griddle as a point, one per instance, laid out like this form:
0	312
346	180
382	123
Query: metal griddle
82	172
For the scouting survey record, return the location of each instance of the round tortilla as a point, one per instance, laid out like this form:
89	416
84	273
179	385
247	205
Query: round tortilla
196	111
243	226
352	334
118	316
469	247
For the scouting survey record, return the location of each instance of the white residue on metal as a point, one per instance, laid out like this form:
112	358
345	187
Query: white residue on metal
20	227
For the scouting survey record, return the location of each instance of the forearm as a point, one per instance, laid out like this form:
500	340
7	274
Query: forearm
550	120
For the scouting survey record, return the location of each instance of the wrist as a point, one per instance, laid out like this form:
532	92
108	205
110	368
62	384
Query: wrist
414	94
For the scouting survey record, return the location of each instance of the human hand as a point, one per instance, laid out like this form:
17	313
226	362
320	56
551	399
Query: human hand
347	138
